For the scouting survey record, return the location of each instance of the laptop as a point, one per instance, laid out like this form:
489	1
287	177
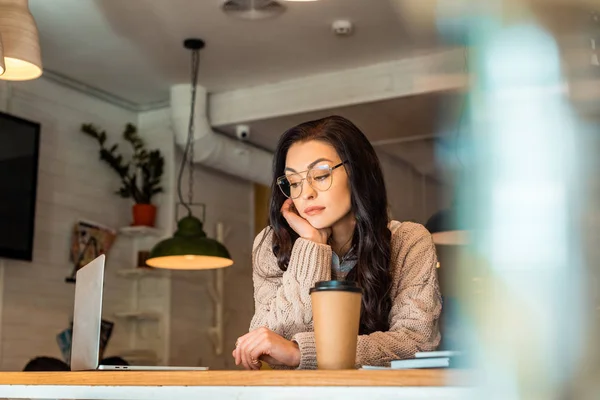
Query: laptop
87	319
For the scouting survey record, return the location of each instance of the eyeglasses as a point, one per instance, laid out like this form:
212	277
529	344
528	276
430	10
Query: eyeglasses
319	178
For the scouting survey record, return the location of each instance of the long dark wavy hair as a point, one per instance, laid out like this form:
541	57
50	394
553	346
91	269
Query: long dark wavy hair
371	238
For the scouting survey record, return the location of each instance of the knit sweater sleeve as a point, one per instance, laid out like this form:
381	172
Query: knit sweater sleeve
415	309
281	299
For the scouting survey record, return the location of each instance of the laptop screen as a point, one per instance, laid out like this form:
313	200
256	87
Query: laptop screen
87	315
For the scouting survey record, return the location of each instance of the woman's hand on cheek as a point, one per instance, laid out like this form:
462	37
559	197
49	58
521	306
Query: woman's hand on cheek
301	226
264	344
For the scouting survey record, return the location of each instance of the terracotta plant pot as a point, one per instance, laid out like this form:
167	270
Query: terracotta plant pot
144	214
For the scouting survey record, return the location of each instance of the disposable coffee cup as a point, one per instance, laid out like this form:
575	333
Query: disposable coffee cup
336	317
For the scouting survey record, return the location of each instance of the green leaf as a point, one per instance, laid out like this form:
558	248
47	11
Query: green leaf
149	164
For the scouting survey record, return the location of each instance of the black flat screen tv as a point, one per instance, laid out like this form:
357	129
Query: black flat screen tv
19	150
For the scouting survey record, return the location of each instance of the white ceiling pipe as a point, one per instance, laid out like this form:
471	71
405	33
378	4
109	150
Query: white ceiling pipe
214	150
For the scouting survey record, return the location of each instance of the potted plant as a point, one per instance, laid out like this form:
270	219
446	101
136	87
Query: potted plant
140	177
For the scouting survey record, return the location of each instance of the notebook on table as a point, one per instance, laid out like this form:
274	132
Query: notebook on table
429	359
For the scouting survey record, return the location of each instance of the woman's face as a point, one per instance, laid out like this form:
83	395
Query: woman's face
321	208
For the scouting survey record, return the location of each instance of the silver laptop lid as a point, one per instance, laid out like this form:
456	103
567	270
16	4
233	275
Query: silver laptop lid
87	316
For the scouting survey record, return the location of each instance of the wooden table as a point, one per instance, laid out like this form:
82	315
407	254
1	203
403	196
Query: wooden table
255	385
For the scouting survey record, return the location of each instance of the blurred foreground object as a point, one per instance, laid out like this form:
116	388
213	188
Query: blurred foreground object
529	275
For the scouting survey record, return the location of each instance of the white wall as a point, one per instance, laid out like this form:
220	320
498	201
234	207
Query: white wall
228	200
72	184
412	196
154	294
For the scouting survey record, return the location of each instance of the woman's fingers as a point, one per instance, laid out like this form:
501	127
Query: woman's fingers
256	350
239	350
242	352
325	234
264	344
245	358
285	207
291	216
258	346
236	354
300	225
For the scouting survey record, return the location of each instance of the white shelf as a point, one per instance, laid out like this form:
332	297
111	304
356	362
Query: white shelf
146	315
140	231
139	315
136	273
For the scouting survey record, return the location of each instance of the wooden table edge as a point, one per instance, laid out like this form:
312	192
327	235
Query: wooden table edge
422	377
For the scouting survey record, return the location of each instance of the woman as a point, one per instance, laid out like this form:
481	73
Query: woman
329	220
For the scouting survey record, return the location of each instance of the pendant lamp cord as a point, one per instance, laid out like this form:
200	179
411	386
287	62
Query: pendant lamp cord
188	153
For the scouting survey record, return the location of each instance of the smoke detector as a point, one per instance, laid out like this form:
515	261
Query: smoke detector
252	9
342	27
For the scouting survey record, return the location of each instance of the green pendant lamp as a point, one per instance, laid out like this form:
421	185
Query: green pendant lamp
189	248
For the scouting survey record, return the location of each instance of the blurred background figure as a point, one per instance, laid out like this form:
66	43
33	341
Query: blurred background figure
115	360
46	364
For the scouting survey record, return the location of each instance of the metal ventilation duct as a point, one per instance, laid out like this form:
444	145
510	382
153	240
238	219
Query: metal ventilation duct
213	150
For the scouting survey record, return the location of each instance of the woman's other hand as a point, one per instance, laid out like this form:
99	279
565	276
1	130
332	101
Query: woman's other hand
301	226
264	344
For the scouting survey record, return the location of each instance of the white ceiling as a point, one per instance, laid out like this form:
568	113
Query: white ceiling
405	127
133	48
382	118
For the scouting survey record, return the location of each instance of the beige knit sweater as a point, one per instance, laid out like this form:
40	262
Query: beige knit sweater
282	303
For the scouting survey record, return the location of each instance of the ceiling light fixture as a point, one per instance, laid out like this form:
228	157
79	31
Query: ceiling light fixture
253	9
20	40
190	248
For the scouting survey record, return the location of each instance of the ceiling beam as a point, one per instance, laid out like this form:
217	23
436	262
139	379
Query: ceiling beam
440	70
102	94
405	139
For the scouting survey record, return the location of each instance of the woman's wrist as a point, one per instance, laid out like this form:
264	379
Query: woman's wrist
297	355
316	238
